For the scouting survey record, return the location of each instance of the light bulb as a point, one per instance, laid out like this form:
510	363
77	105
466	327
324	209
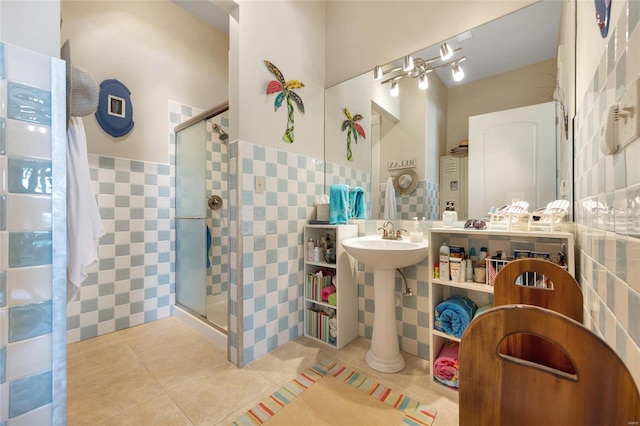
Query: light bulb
445	51
395	90
423	82
407	63
457	73
377	72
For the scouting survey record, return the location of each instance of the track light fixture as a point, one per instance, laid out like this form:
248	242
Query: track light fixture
457	73
423	82
407	64
445	51
419	68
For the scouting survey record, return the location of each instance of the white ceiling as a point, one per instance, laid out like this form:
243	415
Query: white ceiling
522	38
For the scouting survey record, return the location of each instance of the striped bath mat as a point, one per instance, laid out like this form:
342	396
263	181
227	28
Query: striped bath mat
416	413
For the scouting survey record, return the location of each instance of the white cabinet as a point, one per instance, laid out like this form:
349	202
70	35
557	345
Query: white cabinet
482	294
318	313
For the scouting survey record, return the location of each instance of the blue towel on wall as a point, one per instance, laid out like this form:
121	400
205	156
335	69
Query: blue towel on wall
208	246
338	204
452	316
357	208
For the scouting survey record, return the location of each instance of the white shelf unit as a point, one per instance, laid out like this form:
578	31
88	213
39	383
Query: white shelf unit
346	282
481	294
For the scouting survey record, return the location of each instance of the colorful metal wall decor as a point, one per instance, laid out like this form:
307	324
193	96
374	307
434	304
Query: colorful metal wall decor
286	93
353	128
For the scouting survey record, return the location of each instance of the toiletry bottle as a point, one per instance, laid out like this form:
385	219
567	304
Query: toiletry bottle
483	256
468	274
317	254
436	270
310	247
416	235
444	262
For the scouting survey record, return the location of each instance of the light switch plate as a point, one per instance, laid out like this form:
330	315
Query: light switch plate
628	116
259	184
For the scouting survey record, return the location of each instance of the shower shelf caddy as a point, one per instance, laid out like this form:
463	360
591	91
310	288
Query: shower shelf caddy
316	312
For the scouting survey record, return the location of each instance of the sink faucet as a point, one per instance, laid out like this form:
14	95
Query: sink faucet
389	233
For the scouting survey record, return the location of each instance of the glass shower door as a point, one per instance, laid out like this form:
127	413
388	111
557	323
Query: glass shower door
191	228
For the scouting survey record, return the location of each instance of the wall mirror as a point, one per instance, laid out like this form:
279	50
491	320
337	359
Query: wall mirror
508	63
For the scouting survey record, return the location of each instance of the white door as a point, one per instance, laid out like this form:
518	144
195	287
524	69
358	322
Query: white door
512	155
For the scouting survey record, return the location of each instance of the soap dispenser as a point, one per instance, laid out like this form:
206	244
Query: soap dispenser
416	236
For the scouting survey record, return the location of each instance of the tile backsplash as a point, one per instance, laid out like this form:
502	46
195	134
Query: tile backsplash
607	193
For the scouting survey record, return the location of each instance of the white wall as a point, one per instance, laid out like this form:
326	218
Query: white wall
33	25
291	36
361	35
156	49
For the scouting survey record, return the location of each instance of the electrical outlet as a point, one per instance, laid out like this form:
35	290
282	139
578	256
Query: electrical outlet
628	116
259	184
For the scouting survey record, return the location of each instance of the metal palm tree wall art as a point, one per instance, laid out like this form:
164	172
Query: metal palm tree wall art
286	93
353	128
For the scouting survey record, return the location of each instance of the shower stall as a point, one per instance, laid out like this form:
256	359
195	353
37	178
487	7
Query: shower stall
201	218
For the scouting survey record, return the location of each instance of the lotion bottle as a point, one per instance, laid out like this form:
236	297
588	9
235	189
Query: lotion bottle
310	247
416	236
444	261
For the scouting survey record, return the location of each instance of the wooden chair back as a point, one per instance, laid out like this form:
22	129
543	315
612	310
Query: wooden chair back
499	389
565	297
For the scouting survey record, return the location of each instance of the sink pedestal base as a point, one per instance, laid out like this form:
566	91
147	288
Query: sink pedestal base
384	355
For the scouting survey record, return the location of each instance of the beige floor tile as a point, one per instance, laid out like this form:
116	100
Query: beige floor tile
246	407
101	397
92	362
284	363
146	336
209	397
100	343
160	410
172	364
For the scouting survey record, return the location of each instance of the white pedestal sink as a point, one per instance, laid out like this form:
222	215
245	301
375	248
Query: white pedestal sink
384	256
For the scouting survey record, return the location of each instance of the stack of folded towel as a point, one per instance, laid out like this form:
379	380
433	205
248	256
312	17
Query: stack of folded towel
446	365
452	316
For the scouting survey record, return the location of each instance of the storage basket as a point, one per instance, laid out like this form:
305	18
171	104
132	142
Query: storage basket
322	212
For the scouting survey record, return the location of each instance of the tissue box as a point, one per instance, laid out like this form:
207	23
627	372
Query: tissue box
322	212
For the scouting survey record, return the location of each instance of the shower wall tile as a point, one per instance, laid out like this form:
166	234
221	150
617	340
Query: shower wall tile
609	201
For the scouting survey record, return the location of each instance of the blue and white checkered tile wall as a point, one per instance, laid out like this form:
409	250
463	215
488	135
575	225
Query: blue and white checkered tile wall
272	226
423	202
31	130
132	281
607	191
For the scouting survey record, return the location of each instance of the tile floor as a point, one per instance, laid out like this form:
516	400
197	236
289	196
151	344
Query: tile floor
164	373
